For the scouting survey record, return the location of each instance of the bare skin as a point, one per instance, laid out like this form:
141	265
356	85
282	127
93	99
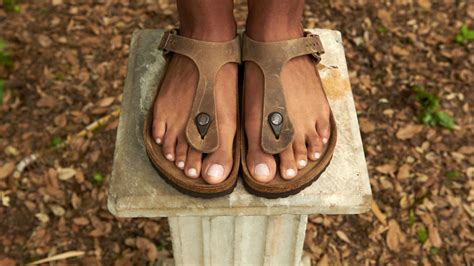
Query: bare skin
277	20
206	20
269	20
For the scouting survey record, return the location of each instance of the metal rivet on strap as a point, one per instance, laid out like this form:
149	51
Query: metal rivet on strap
203	120
276	120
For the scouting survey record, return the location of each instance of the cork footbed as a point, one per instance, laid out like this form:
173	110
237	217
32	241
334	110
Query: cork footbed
175	177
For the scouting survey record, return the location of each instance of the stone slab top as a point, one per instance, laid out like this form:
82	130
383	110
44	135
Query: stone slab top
137	190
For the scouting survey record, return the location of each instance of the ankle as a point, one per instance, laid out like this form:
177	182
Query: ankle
214	31
270	30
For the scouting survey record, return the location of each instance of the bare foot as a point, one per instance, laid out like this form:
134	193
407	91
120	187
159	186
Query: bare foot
307	107
172	108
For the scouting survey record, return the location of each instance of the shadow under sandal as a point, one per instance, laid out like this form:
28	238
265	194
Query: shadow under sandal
277	130
202	128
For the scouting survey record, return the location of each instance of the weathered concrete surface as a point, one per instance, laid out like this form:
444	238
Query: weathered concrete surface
136	190
238	240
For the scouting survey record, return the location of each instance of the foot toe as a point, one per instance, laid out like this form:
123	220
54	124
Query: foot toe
324	129
300	152
158	130
181	152
288	168
169	145
217	166
261	165
193	163
315	146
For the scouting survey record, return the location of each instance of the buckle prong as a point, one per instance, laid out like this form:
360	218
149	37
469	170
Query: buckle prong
165	40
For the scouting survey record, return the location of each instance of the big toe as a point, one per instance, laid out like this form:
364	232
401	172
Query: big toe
261	165
217	166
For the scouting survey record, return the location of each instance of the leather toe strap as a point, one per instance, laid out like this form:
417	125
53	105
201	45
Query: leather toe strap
277	130
202	128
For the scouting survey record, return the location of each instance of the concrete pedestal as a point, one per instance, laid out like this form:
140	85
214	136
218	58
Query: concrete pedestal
239	229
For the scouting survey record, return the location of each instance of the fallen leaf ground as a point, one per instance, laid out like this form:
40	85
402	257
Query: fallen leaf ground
69	62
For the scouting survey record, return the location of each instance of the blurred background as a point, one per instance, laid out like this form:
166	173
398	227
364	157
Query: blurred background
62	69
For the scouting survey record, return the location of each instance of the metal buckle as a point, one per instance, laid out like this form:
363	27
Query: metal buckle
316	46
165	39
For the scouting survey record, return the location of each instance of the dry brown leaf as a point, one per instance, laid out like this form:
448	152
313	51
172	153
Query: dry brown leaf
75	201
466	150
66	173
434	237
47	101
43	217
60	120
7	262
324	261
408	131
388	168
44	41
343	236
403	172
105	102
366	126
378	213
385	17
80	221
395	236
7	169
426	4
147	247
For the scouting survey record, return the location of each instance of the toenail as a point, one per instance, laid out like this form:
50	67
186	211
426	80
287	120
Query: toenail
325	140
192	172
180	164
158	141
169	156
302	163
290	173
262	170
215	170
317	155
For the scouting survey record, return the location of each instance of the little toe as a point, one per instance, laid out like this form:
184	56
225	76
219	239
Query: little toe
324	129
169	145
261	165
301	154
315	146
181	152
158	130
288	168
216	166
193	163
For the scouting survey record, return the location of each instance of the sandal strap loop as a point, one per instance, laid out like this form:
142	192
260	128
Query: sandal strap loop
277	130
202	128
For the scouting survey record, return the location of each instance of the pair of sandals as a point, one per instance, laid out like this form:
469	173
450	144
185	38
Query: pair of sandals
202	126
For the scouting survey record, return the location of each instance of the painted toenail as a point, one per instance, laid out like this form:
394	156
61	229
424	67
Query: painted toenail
290	173
262	169
325	140
317	155
192	172
215	170
158	141
169	156
180	164
302	163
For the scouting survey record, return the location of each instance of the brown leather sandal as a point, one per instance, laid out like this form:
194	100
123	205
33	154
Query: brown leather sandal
277	130
202	127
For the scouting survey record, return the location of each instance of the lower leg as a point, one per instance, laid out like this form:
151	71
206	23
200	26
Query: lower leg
210	20
274	20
